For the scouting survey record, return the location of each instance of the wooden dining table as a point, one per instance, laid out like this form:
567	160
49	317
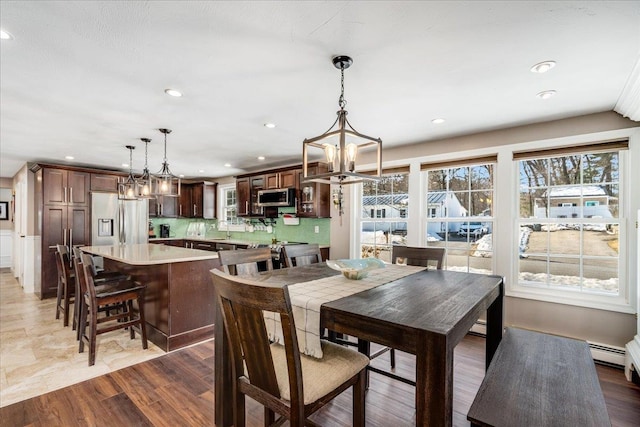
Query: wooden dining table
426	313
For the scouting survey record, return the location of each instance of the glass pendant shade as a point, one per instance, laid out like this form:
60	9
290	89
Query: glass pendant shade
128	189
164	183
340	145
144	180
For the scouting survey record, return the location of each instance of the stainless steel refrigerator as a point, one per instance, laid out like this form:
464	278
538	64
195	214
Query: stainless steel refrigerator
118	222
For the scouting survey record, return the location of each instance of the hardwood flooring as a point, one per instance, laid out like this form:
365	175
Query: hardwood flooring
176	389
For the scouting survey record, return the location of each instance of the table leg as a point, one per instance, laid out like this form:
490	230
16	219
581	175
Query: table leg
364	347
434	382
494	326
222	375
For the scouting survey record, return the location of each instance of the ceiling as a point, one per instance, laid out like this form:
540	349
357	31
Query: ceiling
86	79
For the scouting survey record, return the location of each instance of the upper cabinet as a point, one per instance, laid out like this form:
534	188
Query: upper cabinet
105	182
312	199
66	187
282	179
197	200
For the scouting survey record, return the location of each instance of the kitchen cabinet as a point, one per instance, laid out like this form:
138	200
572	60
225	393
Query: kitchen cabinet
65	187
105	182
247	195
164	206
314	199
198	200
63	217
283	179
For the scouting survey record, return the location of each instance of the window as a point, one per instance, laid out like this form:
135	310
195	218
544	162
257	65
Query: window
458	214
569	222
383	215
228	205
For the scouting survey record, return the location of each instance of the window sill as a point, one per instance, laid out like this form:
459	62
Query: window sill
615	304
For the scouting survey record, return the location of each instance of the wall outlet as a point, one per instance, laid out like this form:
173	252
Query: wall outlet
316	229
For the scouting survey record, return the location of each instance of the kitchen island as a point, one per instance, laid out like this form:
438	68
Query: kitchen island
179	300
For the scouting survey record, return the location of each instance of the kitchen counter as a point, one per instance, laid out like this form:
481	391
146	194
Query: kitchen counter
149	254
237	242
179	303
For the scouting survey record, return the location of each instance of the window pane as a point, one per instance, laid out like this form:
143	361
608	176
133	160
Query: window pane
565	202
534	173
601	275
564	273
459	179
458	204
564	239
600	240
600	168
564	170
534	203
480	203
437	180
482	177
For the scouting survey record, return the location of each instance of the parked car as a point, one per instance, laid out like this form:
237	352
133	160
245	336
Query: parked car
475	229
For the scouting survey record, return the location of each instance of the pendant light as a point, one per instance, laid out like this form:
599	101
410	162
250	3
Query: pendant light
340	145
144	180
128	189
164	183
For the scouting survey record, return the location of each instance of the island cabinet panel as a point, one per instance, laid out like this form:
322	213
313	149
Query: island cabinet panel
179	301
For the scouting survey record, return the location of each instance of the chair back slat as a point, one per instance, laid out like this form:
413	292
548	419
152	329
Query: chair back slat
242	302
296	255
425	257
243	262
65	262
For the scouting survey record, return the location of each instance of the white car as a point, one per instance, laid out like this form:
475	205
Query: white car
475	229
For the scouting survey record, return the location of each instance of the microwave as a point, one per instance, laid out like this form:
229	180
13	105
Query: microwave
279	197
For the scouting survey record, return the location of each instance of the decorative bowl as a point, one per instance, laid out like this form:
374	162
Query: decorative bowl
355	269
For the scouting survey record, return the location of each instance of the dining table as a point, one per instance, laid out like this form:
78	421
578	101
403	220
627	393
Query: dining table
425	313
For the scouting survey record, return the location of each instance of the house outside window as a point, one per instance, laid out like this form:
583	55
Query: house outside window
383	215
569	222
458	214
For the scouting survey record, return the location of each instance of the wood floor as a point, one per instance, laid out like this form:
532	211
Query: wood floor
176	389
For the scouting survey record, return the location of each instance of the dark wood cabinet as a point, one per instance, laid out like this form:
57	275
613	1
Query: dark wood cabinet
66	219
164	207
282	179
314	199
247	195
66	187
105	182
197	200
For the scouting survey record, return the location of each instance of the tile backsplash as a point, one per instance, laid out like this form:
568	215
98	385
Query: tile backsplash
305	232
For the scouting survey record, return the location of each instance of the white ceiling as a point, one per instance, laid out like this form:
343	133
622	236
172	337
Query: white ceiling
87	78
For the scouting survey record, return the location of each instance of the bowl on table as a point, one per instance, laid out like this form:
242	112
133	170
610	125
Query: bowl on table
355	269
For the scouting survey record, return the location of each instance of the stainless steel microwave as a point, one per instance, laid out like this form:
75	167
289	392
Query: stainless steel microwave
279	197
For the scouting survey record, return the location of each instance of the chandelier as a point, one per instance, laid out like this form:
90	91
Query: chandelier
128	189
164	183
144	180
340	144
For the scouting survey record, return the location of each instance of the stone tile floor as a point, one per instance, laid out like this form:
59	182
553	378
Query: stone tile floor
38	354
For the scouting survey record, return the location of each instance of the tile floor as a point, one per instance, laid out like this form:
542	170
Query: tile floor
38	354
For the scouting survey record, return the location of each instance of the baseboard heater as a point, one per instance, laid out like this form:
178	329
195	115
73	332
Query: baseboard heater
601	353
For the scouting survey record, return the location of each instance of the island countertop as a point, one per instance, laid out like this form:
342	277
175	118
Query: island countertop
149	254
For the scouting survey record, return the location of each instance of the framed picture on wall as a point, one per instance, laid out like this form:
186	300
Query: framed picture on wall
4	210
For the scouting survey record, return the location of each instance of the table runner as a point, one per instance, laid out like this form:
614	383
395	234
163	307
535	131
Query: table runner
307	297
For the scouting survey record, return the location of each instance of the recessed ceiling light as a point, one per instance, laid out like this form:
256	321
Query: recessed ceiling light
270	125
4	35
173	92
261	157
437	121
227	165
546	94
543	67
69	157
200	170
125	165
181	176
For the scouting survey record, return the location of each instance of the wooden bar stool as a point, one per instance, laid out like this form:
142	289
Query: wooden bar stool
121	295
66	284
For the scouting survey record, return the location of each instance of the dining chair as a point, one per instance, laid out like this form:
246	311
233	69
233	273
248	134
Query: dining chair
295	255
286	383
242	262
115	299
418	256
66	285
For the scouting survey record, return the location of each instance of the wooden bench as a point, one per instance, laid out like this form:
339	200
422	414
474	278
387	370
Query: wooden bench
537	379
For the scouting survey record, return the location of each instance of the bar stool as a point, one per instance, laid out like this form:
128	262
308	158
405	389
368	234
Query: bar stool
121	294
66	284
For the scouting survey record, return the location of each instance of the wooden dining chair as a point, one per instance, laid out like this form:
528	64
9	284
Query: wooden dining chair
286	383
295	255
66	285
418	256
115	300
242	262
